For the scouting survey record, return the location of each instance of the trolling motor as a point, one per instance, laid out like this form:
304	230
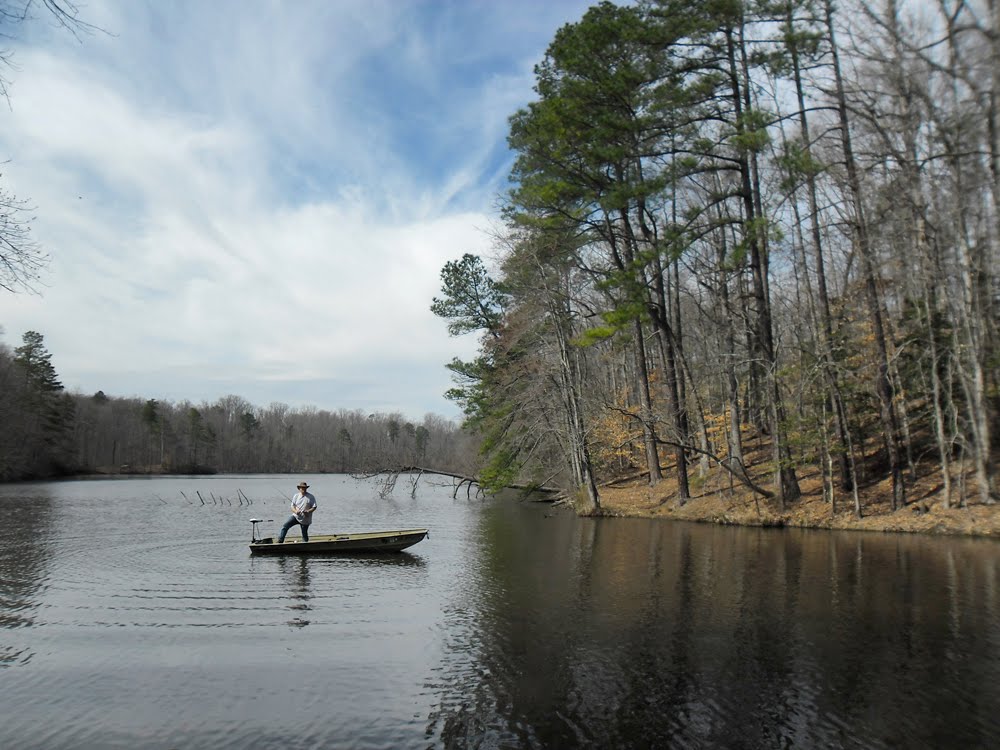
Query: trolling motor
254	538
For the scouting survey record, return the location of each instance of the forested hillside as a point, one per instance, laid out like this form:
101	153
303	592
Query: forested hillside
45	432
775	221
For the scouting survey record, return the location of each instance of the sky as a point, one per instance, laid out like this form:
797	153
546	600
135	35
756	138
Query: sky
256	198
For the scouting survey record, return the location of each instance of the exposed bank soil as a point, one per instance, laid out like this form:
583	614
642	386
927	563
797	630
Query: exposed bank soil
924	511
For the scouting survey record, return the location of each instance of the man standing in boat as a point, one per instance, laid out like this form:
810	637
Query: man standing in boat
303	506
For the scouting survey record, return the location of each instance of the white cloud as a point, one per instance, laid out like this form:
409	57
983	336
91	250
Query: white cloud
259	199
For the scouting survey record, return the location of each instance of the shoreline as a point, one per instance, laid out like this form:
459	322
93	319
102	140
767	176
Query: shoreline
923	514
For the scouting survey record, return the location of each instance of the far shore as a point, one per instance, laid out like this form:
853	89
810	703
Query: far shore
924	512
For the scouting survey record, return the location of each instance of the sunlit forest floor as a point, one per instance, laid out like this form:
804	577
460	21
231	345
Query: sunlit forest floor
924	511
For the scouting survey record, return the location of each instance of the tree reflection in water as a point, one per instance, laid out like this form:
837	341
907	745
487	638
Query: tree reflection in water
630	633
24	563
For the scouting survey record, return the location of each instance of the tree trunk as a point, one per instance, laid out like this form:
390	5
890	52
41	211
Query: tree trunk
825	327
786	483
883	386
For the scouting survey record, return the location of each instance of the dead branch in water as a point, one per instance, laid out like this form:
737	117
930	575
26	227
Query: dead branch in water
387	479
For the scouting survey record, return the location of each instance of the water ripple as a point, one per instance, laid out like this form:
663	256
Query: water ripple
156	628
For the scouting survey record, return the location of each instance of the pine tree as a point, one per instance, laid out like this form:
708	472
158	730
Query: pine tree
46	412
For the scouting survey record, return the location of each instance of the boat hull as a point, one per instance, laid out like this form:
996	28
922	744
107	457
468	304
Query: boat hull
326	544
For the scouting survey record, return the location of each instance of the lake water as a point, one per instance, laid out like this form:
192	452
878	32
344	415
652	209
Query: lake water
133	616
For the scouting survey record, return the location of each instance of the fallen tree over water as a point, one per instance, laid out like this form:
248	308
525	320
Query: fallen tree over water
389	477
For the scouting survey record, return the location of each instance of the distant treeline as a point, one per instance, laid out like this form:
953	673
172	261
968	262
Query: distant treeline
46	432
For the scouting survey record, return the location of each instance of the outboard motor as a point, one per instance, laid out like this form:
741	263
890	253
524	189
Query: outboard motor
253	536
